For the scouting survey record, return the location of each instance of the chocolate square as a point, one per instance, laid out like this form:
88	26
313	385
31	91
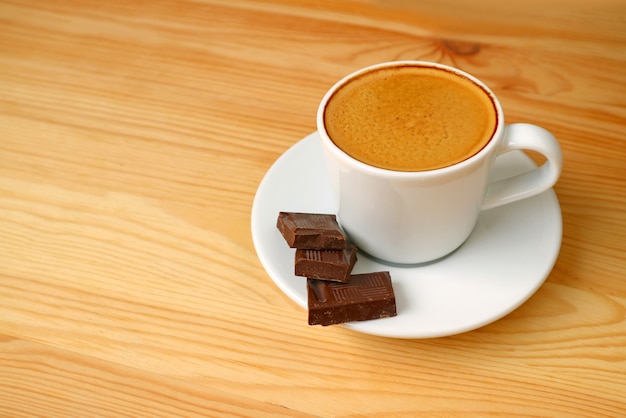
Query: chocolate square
334	265
363	297
311	231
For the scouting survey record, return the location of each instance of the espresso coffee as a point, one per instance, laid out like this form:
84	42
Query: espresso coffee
410	118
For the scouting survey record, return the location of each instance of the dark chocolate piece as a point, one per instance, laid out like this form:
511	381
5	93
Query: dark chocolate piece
363	297
311	231
334	265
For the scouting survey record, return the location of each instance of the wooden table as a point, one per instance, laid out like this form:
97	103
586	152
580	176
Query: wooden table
133	137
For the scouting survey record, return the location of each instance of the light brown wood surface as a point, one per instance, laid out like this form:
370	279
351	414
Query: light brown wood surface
133	137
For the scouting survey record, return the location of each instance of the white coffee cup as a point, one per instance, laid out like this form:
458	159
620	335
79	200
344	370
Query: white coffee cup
410	217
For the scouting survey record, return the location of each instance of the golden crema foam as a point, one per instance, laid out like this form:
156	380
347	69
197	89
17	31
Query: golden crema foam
410	118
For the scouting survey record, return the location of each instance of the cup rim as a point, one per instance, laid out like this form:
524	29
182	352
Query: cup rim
461	165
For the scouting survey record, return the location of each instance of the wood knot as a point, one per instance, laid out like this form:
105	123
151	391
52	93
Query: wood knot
461	47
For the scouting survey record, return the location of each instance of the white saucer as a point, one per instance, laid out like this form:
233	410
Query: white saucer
506	259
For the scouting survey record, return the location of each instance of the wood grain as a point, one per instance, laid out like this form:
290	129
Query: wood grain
133	136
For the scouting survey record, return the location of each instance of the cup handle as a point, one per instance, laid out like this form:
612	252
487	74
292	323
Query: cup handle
530	137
